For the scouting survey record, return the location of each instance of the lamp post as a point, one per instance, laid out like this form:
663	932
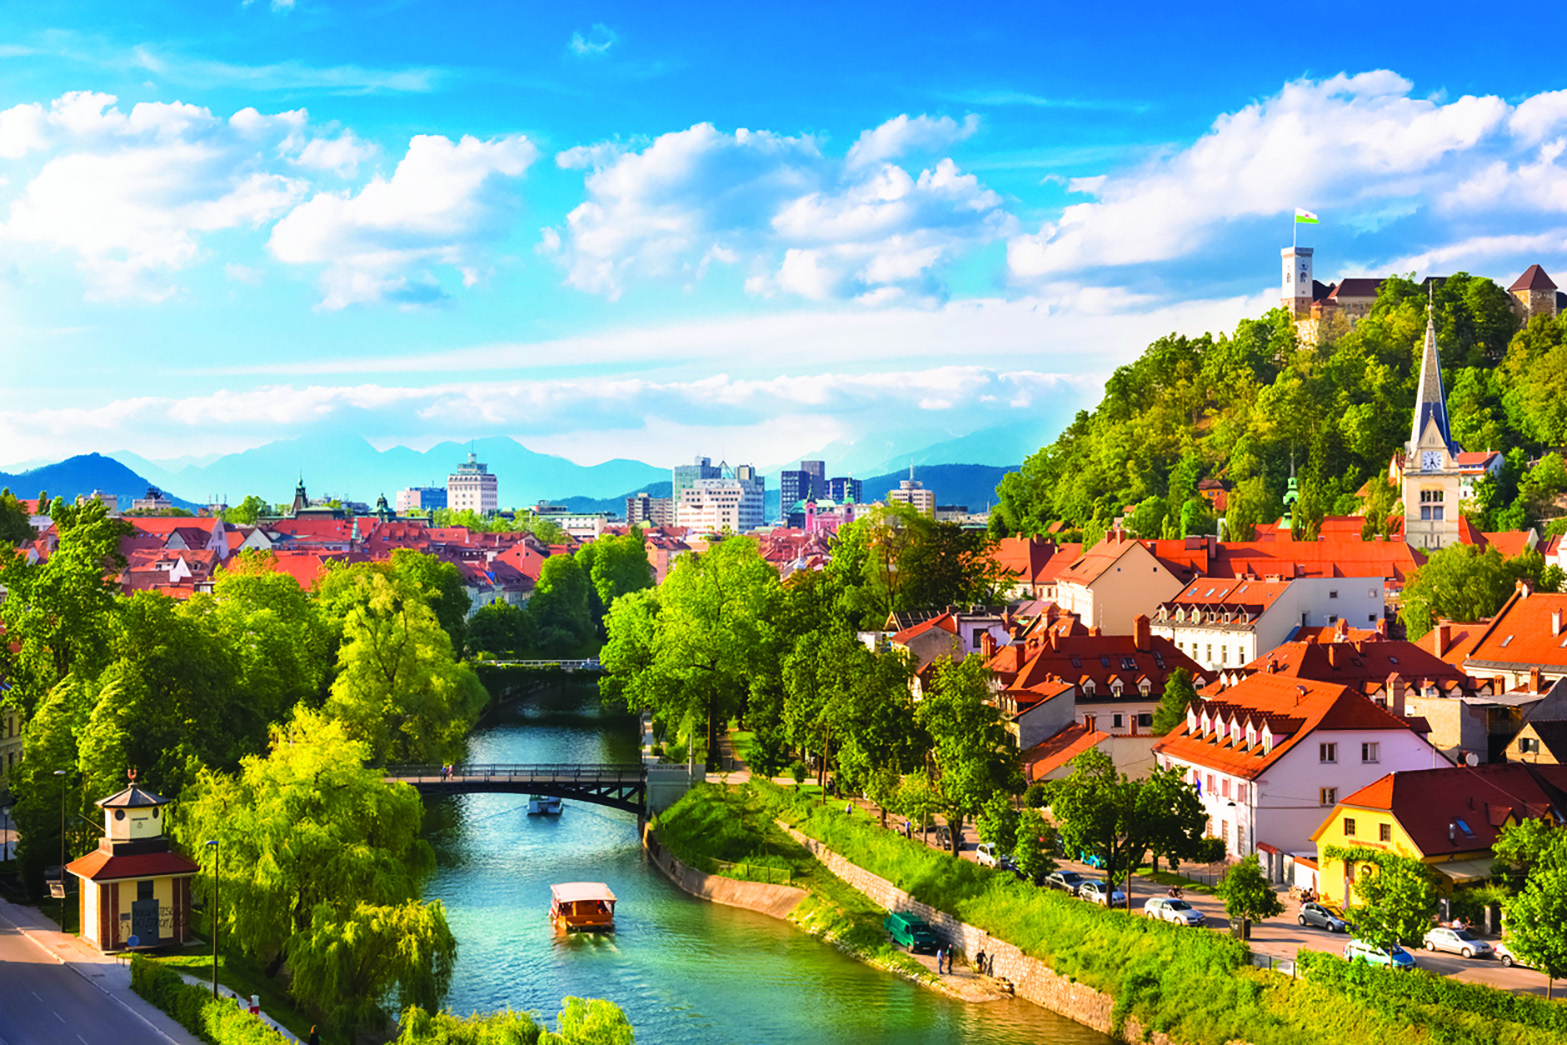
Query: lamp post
217	878
61	774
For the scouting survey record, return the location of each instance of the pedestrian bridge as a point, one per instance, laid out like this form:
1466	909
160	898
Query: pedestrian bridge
636	788
588	664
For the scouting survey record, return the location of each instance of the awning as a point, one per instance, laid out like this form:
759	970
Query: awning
1474	870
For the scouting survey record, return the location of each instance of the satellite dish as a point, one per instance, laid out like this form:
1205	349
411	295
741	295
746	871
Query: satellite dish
1471	759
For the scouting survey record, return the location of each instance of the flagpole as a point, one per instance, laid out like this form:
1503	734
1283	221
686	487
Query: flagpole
1294	232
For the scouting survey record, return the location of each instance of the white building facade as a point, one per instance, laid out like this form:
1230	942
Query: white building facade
1223	623
472	488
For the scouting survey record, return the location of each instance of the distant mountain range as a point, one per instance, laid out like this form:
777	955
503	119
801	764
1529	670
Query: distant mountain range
353	469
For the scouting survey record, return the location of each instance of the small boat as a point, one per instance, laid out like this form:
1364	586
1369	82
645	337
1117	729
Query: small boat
582	905
544	805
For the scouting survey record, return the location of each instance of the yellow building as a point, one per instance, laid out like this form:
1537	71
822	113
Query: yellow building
135	891
10	745
1448	818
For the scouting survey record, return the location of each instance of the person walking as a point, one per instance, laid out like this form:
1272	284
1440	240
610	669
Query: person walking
979	963
314	1039
941	955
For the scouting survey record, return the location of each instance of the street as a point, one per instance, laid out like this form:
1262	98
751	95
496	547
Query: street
45	1003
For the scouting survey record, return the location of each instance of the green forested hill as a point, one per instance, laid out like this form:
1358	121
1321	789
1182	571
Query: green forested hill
1241	406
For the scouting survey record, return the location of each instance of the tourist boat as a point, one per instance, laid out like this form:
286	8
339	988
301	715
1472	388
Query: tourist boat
582	905
544	805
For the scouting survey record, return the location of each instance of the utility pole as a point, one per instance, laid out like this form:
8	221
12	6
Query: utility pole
61	774
217	880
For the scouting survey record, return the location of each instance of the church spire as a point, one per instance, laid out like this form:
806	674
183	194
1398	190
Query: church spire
1430	400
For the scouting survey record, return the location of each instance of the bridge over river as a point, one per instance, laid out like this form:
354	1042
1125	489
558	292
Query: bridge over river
642	789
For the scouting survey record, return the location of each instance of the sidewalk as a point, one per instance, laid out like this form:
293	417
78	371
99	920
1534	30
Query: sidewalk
109	974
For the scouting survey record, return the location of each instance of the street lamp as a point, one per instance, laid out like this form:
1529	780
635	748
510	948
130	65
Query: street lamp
217	878
61	774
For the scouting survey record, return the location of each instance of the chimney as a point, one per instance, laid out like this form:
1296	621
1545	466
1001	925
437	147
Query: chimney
1395	686
1334	655
1498	685
987	645
1556	622
1343	629
1093	630
1444	638
1213	544
1300	691
1534	673
1381	627
1523	587
1142	633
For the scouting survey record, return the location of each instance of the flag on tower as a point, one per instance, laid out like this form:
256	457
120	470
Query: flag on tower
1304	217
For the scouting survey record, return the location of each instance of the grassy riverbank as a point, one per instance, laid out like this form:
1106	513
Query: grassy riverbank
736	826
1198	987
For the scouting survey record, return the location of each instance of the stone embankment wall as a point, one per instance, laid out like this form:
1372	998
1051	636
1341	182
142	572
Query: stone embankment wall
774	900
1032	979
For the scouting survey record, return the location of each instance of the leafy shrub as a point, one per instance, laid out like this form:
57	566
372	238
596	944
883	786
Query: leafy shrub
217	1021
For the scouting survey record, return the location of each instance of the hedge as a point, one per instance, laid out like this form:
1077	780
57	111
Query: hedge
217	1021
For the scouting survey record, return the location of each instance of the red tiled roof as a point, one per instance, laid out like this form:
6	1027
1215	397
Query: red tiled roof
1102	658
1049	755
1461	638
1231	593
946	622
1356	664
1093	563
1292	710
1435	805
1034	561
1357	287
1521	633
1509	543
1533	278
100	866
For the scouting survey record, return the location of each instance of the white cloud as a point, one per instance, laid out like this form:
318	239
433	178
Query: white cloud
380	243
901	134
1334	145
341	155
595	43
797	220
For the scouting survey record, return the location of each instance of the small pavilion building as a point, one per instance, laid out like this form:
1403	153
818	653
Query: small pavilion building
135	890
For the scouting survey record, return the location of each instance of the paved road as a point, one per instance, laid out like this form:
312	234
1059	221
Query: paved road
45	1003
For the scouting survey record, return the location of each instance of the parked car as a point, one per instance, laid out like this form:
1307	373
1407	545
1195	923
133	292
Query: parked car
1457	941
985	854
1068	882
1093	860
1178	911
1322	917
1098	892
911	931
1361	951
1504	954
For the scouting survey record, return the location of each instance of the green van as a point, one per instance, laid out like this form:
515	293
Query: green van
909	930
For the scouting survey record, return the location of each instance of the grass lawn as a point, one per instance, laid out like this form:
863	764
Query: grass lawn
1170	878
244	977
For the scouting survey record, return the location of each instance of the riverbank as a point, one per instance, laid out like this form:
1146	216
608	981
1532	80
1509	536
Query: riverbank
714	826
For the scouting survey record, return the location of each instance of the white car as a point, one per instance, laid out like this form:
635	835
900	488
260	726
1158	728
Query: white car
1457	941
1178	911
1100	893
985	855
1504	954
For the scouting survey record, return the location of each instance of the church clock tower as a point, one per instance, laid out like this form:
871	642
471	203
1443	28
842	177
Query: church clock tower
1295	293
1430	459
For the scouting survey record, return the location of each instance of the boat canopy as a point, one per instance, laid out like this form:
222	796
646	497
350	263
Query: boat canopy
577	892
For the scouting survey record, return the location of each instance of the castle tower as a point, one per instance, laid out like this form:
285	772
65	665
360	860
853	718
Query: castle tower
1535	293
1431	498
1296	288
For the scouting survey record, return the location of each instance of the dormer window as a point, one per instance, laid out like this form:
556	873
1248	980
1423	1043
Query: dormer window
1207	723
1267	740
1088	688
1251	735
1191	721
1144	687
1115	688
1235	732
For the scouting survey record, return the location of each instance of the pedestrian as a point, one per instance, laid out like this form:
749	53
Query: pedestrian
979	962
315	1039
941	956
847	806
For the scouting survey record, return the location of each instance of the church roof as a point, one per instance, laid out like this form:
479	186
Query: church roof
1533	278
132	797
1431	402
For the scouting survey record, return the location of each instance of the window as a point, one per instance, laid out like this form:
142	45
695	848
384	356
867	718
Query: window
1349	827
1225	828
1240	792
1368	752
1240	838
1210	651
1528	745
1144	720
1224	787
1224	654
1116	722
1332	594
1210	782
1384	832
1327	796
1327	752
1463	827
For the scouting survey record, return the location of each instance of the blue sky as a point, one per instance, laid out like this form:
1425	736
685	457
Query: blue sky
751	231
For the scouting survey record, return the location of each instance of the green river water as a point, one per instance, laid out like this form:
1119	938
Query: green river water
685	971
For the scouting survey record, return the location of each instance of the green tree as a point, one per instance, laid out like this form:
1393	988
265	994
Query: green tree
308	834
561	607
1536	921
1179	695
616	565
248	511
502	629
398	687
16	527
969	749
581	1022
1462	582
1247	893
1034	852
50	745
998	823
1394	896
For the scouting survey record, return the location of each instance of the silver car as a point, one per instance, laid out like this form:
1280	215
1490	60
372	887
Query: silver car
1178	911
1100	893
1457	941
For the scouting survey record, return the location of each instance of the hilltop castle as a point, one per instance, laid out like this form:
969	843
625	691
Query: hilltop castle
1322	309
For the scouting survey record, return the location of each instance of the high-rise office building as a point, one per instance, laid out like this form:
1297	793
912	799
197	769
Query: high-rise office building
911	491
418	499
686	474
643	509
806	483
843	489
472	488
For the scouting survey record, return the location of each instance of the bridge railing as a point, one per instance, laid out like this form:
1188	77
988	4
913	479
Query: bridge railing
544	772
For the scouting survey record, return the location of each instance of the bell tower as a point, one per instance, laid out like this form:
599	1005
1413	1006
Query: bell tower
1431	480
1296	289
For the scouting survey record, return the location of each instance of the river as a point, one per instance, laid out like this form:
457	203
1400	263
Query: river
685	971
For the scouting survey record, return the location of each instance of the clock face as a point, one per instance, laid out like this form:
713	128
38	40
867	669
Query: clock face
1431	461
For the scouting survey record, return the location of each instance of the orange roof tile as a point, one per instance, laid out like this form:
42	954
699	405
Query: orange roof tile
1049	755
1530	630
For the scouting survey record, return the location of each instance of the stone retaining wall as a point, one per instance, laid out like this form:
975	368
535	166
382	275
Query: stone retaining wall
774	900
1031	978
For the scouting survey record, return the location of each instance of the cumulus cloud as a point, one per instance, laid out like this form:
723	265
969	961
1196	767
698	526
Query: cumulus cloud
341	155
382	242
1340	145
799	221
